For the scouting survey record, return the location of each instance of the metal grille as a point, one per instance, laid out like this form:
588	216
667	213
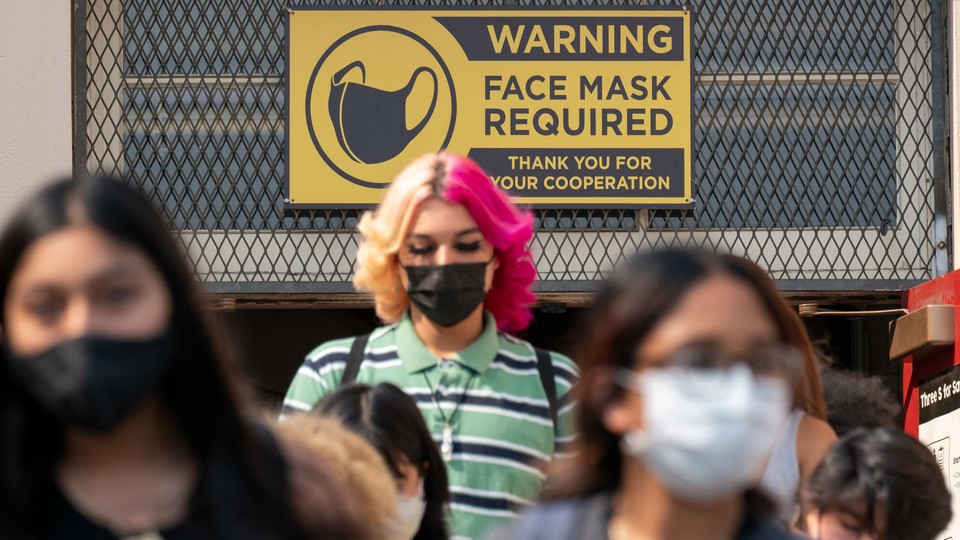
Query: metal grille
819	144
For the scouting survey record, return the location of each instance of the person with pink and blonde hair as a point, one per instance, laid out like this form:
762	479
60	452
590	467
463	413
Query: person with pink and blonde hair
445	256
503	227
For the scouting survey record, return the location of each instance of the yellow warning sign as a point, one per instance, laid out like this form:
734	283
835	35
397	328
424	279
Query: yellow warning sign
562	107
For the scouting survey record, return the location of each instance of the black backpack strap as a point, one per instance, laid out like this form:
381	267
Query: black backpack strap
354	359
545	368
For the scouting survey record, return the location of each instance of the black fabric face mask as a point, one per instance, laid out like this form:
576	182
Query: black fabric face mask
447	294
93	383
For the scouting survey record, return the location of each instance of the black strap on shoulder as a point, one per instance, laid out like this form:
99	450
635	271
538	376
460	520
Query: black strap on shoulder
545	368
354	359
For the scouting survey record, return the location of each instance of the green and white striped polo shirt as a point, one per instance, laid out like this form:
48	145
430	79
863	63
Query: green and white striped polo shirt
503	433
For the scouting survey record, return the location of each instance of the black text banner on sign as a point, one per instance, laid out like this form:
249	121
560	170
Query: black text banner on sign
563	107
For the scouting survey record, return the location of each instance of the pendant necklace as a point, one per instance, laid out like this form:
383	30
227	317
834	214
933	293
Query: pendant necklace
446	438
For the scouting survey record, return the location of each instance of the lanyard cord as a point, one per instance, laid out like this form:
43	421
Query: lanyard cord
446	439
460	399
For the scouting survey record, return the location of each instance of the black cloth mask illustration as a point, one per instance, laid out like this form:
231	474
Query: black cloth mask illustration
371	124
93	383
447	294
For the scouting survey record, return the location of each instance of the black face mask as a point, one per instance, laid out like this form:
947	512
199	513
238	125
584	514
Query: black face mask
448	293
93	383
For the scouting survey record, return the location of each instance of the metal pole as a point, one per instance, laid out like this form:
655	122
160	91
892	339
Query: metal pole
938	89
953	123
79	94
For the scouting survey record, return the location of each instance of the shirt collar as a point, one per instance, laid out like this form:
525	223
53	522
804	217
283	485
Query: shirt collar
477	356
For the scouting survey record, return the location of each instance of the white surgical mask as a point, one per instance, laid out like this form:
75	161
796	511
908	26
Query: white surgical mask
707	432
410	510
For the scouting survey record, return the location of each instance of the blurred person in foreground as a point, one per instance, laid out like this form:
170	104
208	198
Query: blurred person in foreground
687	373
118	414
389	420
877	484
445	256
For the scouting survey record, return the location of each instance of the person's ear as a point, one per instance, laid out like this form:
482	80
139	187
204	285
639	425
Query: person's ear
616	418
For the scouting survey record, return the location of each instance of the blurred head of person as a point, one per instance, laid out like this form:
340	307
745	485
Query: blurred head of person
100	318
359	490
391	422
877	484
88	273
687	368
855	401
446	243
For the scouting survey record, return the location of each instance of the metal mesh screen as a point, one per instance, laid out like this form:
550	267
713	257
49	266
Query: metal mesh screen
819	144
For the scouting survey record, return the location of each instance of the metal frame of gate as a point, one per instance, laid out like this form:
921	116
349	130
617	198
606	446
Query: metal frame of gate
820	138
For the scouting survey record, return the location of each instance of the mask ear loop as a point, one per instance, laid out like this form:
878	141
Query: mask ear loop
626	378
487	265
634	442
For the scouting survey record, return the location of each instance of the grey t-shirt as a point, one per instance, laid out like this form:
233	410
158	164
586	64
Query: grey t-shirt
588	519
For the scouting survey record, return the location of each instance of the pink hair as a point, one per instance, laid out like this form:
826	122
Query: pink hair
457	180
508	229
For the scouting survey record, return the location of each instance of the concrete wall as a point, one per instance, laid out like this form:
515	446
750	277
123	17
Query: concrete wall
35	109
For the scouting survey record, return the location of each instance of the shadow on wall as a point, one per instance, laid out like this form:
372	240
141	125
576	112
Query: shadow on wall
271	344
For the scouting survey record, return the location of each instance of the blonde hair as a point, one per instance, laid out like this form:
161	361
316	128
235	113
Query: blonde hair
459	180
340	484
384	231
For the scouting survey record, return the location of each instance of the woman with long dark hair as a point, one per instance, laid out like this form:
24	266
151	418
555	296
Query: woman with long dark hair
389	420
687	371
118	415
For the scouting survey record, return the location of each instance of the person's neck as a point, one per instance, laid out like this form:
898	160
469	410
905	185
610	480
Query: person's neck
148	437
136	477
644	509
446	341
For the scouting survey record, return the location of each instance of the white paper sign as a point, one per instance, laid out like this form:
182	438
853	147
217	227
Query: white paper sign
940	431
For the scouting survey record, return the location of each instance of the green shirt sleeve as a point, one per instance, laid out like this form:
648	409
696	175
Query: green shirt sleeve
565	375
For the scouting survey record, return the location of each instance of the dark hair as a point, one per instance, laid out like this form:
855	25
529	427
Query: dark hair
858	401
636	297
391	422
887	480
197	387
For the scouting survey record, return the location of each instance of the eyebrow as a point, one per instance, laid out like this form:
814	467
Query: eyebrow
424	236
704	342
119	270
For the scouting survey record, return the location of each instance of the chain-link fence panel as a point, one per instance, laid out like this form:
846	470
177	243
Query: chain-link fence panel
819	144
